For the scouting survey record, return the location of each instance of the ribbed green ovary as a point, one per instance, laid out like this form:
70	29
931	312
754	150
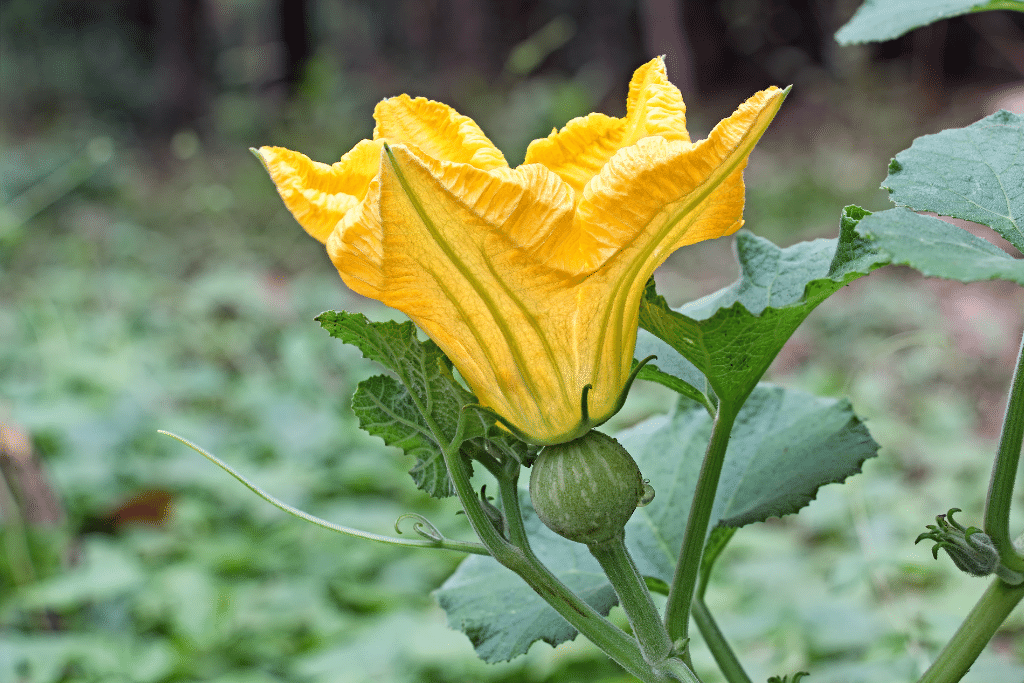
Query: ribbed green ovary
587	489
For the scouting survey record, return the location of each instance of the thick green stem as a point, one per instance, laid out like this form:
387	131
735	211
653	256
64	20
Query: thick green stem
724	656
680	596
679	671
634	597
613	641
1004	472
973	635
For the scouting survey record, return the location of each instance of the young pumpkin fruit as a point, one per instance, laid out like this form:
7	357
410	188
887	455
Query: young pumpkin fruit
587	489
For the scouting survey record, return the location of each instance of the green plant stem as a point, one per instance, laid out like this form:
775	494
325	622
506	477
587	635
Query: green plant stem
1004	472
974	633
634	597
678	670
508	485
724	656
612	640
680	595
517	533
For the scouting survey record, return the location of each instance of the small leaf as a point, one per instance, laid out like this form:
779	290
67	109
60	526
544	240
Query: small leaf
385	408
879	20
733	335
390	343
406	411
939	249
974	173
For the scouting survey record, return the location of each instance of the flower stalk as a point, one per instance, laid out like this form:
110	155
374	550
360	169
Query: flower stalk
584	618
634	597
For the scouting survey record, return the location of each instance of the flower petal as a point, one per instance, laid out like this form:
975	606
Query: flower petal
658	195
510	325
355	246
654	106
319	195
437	130
579	151
655	197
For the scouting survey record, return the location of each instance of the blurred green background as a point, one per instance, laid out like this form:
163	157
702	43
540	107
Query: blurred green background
151	279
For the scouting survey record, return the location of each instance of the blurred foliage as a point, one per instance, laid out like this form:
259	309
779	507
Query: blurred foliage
150	278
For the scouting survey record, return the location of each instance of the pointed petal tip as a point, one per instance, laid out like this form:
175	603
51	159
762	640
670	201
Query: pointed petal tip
775	92
258	153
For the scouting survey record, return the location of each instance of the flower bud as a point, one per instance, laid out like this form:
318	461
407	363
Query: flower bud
970	549
587	489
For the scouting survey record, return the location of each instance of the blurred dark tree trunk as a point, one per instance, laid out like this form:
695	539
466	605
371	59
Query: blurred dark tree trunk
1002	35
182	42
927	57
662	26
298	43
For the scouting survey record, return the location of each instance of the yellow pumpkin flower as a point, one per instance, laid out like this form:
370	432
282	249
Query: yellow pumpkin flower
529	279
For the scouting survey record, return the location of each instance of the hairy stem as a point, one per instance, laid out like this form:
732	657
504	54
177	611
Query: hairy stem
1004	472
728	662
612	640
974	633
680	596
634	597
679	671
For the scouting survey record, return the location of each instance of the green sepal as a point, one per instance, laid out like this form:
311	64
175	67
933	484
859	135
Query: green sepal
786	679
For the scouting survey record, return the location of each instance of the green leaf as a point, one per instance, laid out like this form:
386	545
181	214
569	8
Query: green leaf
878	20
939	249
785	445
385	408
974	173
733	335
392	344
417	412
672	370
501	614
